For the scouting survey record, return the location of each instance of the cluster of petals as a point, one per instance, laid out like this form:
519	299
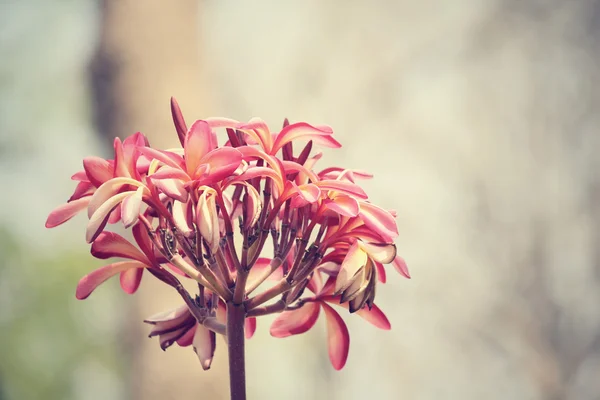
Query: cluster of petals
184	205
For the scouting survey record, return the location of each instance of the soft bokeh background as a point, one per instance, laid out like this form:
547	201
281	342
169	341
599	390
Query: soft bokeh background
479	119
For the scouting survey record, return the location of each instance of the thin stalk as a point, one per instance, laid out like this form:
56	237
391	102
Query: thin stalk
236	315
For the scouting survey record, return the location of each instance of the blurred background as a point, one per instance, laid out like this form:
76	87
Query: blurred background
478	118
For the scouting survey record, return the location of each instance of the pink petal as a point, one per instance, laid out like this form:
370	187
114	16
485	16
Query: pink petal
88	283
355	259
188	337
84	188
296	321
167	172
65	212
100	217
79	176
343	187
320	135
379	220
381	274
204	345
401	267
249	327
197	144
166	157
380	252
375	316
121	166
174	188
140	234
255	172
259	131
222	162
343	205
338	338
97	170
110	244
131	279
107	190
130	207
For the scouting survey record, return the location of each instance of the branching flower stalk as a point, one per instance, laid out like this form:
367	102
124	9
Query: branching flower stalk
185	205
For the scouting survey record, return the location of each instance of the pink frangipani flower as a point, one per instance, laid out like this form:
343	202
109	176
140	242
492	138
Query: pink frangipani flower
185	205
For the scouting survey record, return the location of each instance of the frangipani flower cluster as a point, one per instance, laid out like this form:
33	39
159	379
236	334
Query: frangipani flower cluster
185	205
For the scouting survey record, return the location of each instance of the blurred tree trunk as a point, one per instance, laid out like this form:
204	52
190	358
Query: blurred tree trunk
147	53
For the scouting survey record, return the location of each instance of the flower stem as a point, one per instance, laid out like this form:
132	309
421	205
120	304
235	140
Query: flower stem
236	315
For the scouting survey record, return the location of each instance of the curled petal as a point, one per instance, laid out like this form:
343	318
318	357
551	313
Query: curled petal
379	220
401	267
130	207
222	163
107	190
188	338
110	244
204	343
100	217
174	188
249	327
84	188
88	283
167	172
182	215
254	172
208	218
166	157
259	131
97	170
131	279
65	212
355	259
380	252
345	187
343	205
381	274
296	321
321	135
338	338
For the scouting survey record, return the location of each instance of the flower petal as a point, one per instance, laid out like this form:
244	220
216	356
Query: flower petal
198	142
249	327
338	338
343	205
380	252
321	135
100	218
375	316
178	120
131	279
208	218
401	267
166	172
379	220
182	215
355	259
110	244
88	283
178	315
130	207
222	163
174	188
188	337
107	190
204	345
65	212
98	170
166	157
296	321
345	187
